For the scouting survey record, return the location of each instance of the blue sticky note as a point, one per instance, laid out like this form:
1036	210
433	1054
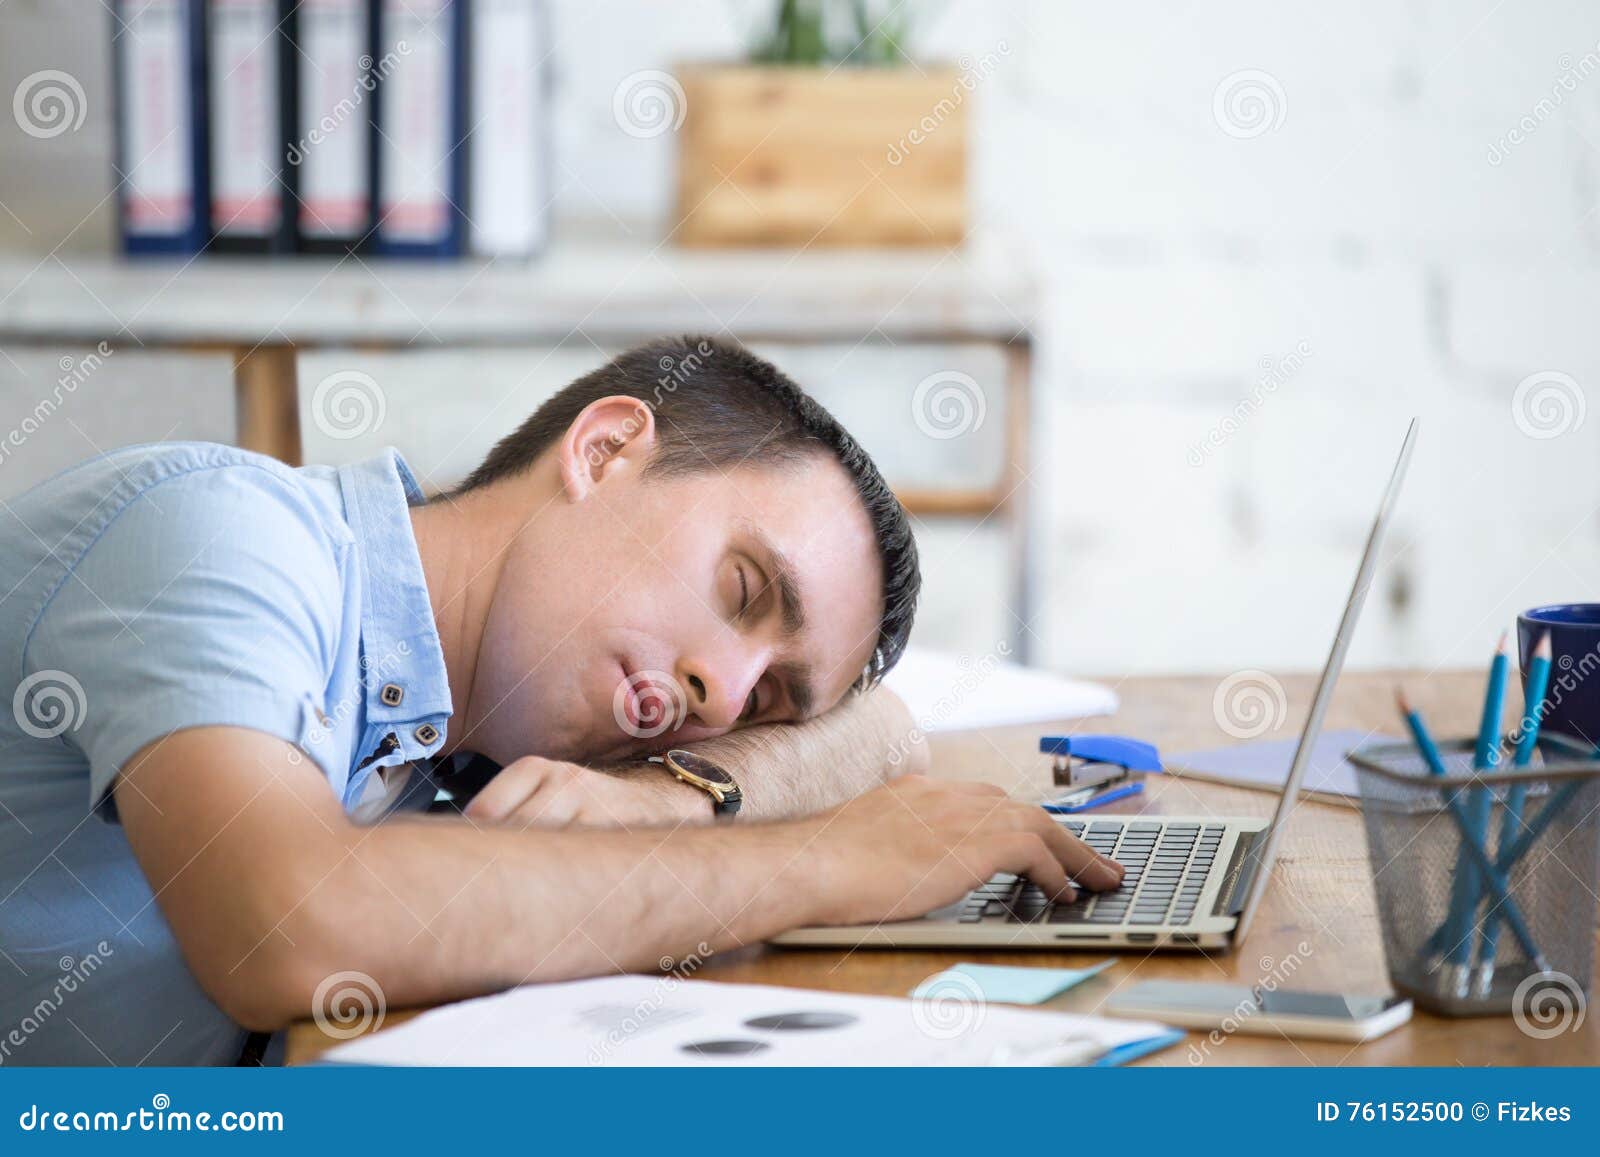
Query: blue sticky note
1006	985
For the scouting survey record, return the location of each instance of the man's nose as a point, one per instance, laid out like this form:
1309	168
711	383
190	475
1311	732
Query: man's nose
718	685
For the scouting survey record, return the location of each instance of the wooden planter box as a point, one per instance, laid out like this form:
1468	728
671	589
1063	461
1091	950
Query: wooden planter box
804	156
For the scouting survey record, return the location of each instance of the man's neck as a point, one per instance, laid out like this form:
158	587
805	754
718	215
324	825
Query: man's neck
463	542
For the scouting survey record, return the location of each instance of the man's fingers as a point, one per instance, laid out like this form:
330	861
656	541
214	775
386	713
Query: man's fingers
505	793
547	809
1041	863
1085	865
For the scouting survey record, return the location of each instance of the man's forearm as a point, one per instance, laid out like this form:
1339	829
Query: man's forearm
431	908
492	907
789	769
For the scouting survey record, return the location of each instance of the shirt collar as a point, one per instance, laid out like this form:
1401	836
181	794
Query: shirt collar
399	639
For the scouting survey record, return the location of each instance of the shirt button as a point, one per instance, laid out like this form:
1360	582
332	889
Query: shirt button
426	734
391	694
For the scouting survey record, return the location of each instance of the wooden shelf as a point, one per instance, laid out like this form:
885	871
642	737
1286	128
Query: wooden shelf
581	290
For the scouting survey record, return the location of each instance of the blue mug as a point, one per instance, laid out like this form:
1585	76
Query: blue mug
1572	703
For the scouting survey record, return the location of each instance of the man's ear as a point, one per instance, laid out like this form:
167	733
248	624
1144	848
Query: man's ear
611	436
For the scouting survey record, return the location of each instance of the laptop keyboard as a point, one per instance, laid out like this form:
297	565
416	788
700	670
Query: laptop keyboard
1166	870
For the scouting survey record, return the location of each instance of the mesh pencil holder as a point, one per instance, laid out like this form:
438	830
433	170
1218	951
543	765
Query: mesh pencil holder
1460	943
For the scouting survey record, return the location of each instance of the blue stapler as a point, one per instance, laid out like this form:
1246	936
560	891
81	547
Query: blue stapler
1096	769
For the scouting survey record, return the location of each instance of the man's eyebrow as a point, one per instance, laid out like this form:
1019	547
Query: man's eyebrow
781	572
796	677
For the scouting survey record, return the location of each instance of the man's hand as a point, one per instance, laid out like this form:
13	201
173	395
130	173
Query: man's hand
918	844
535	792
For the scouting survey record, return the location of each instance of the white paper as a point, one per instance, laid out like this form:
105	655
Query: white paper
667	1020
955	693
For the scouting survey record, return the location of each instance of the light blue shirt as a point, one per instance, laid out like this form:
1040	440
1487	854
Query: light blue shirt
159	588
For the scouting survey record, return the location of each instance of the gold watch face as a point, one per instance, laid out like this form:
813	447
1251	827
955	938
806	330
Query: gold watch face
697	767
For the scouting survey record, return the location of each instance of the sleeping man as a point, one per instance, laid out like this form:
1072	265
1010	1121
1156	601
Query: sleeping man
244	694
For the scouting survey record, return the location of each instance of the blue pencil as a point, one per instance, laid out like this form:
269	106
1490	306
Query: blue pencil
1552	808
1487	755
1466	889
1511	821
1478	857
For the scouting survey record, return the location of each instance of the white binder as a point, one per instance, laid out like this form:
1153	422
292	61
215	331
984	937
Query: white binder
333	142
420	125
509	183
247	200
161	143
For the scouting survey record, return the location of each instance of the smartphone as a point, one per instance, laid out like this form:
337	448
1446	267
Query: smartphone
1238	1008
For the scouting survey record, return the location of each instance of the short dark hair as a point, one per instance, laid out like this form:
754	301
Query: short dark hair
717	405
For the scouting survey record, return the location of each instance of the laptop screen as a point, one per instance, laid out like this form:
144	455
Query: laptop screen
1267	850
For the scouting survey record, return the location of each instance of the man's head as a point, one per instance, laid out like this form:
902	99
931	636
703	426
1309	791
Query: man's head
702	546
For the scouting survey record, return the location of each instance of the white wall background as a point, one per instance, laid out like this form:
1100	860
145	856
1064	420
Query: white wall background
1387	235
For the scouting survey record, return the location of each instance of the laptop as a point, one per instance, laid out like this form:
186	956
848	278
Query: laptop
1192	882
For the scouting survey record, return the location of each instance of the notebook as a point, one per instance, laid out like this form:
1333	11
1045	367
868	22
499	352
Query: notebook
1265	765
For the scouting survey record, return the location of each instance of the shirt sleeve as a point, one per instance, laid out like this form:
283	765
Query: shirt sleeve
213	598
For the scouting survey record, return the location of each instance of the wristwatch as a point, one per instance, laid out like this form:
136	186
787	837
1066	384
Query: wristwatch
711	778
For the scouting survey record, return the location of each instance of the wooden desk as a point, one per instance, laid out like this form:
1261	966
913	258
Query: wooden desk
1319	912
